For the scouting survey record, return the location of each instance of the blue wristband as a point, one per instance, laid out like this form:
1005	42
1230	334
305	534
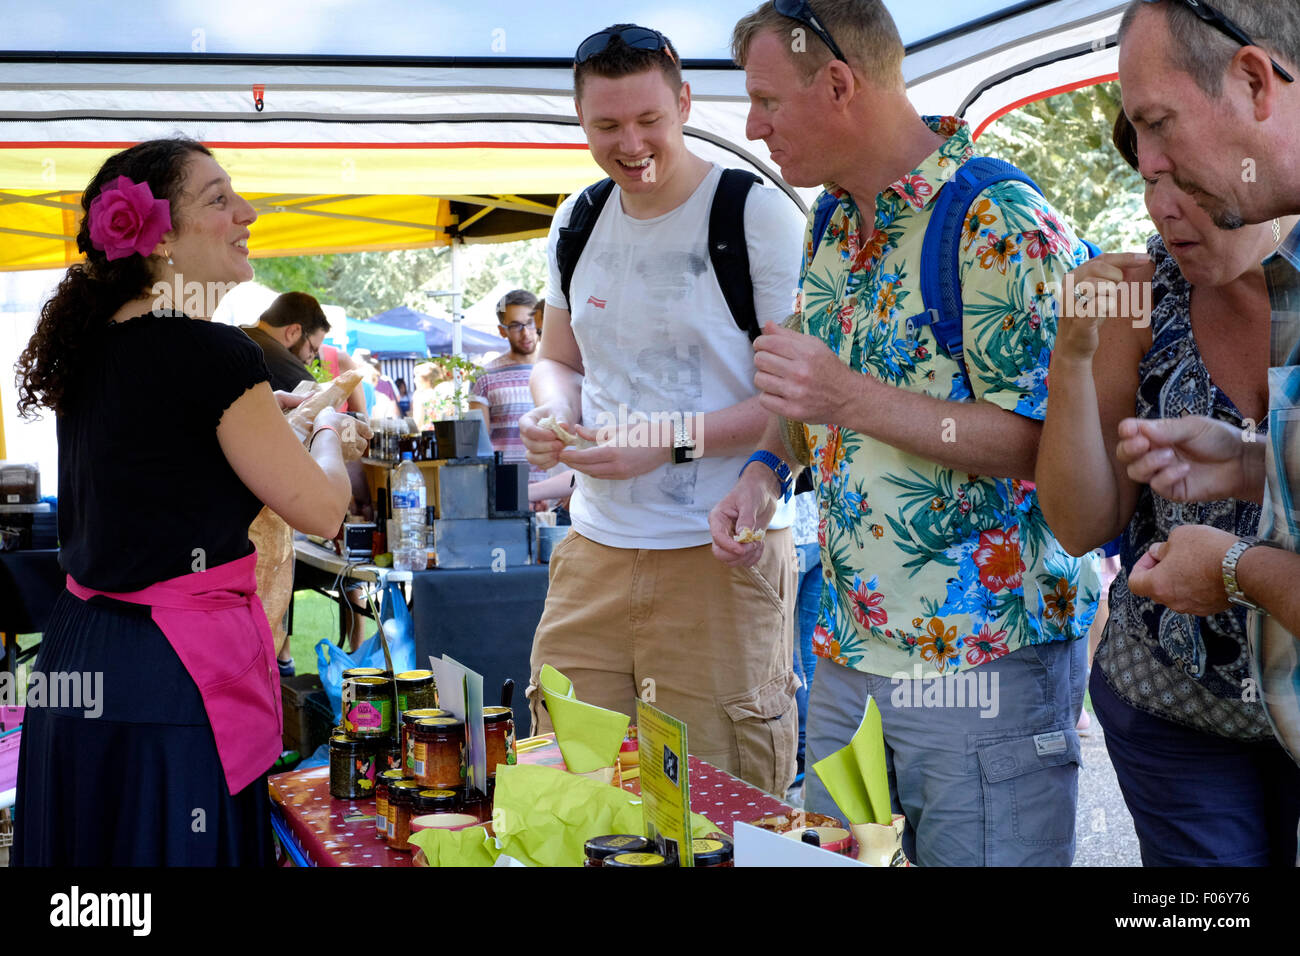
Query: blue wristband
779	468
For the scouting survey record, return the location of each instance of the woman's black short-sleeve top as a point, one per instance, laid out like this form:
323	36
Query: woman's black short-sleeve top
145	492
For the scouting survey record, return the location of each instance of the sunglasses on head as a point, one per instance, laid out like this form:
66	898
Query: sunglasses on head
801	11
638	38
1214	18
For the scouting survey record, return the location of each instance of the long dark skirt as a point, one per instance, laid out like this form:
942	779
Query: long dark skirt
139	783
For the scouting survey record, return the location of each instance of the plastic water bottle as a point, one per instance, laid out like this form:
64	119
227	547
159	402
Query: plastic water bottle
408	501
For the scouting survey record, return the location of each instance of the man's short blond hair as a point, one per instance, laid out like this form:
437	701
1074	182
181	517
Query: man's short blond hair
863	29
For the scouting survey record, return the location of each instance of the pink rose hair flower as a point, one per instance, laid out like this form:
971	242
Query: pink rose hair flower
126	219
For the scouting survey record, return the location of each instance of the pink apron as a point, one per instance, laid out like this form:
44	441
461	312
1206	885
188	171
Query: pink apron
215	623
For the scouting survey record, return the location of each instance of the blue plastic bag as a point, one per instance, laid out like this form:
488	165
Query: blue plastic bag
395	619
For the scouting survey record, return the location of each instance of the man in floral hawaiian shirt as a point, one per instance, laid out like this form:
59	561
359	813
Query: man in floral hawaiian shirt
948	601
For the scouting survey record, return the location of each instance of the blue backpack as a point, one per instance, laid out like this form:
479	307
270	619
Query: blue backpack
940	265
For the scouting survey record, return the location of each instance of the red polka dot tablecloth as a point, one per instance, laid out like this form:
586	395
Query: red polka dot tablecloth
342	832
330	832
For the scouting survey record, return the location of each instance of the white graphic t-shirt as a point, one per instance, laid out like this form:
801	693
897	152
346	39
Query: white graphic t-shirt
658	340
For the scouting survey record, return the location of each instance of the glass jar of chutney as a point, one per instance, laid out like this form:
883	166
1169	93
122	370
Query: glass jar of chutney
407	743
416	690
599	849
713	851
352	768
439	752
401	800
385	779
368	707
436	801
499	731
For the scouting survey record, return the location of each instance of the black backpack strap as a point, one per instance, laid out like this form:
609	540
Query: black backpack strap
728	250
573	237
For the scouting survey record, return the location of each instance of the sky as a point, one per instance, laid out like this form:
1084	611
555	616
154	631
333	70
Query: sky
401	27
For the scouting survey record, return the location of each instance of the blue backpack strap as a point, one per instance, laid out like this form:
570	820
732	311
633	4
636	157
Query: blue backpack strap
822	213
940	265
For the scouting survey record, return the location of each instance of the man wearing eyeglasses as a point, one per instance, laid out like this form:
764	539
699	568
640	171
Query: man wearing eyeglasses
501	392
637	607
1211	93
948	602
290	333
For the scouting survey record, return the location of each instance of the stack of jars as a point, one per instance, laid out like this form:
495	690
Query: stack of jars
365	744
418	777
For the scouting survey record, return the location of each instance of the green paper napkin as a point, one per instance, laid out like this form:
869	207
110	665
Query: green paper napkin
589	736
469	847
856	776
542	816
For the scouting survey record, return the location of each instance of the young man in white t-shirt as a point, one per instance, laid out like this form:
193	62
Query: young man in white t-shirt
645	359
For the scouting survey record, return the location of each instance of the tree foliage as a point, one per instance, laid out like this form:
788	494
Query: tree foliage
367	283
1063	144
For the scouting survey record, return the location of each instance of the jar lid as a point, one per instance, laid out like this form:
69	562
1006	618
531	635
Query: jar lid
415	676
636	859
438	723
436	801
364	672
601	847
392	776
403	791
344	742
711	851
411	716
494	714
371	681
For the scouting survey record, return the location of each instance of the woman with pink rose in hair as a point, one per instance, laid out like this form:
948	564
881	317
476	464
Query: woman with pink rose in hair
160	611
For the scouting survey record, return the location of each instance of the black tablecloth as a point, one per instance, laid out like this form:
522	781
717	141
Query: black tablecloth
485	620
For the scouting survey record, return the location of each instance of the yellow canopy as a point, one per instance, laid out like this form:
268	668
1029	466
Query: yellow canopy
345	198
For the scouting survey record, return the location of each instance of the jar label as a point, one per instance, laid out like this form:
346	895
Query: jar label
368	716
365	767
421	755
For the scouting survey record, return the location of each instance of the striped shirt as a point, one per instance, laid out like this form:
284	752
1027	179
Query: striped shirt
1277	652
506	393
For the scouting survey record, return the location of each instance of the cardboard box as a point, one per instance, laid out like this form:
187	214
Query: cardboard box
308	718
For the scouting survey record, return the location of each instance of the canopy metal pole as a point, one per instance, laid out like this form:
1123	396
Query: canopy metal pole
456	348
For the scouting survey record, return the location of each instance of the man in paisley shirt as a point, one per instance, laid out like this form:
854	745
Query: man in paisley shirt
948	601
1190	79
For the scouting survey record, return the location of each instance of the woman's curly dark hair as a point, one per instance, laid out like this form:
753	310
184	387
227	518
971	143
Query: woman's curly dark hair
92	290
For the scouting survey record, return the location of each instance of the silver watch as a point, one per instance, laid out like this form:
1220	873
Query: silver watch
1230	562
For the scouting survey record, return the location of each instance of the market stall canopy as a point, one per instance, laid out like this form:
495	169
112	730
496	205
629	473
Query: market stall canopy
383	340
349	133
437	332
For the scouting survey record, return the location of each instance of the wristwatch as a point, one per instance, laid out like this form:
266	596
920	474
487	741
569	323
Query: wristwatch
1230	562
683	446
